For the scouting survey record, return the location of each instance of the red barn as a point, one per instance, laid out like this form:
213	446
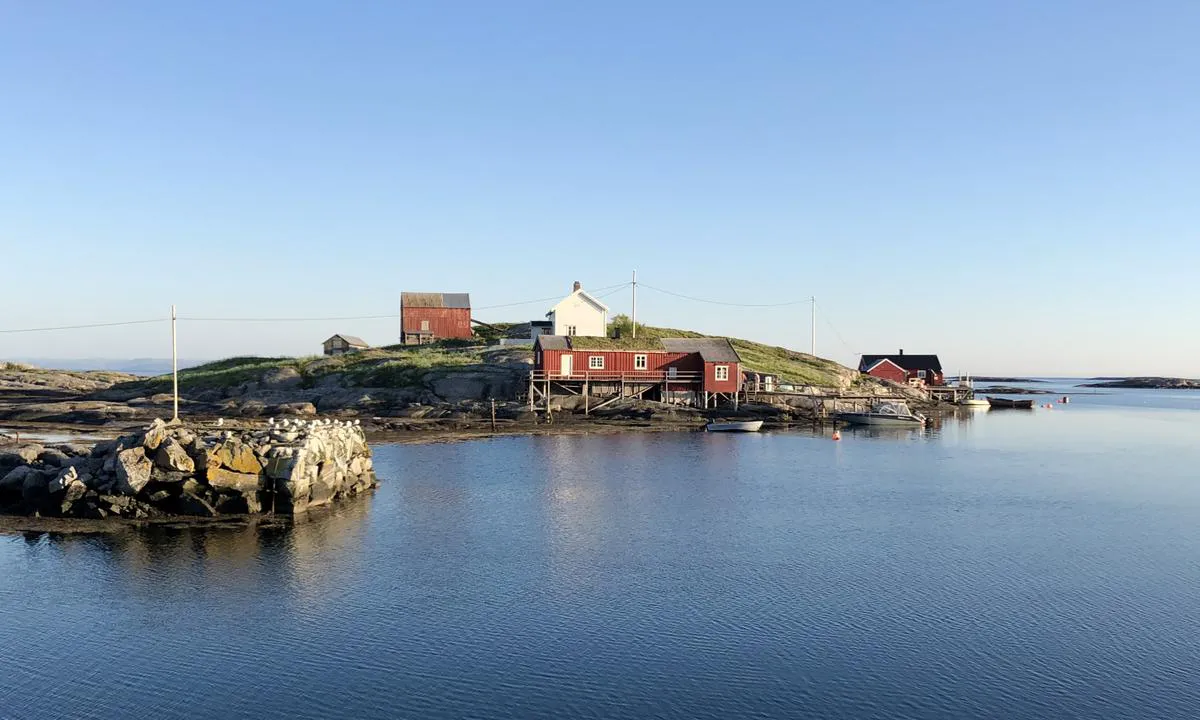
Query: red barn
904	369
426	317
700	370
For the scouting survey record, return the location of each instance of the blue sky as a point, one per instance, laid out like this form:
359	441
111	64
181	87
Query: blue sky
1012	185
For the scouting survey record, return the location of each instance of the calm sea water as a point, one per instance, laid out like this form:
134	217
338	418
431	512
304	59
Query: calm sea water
1009	565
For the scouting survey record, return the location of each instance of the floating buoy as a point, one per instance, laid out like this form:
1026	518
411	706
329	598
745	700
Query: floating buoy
837	435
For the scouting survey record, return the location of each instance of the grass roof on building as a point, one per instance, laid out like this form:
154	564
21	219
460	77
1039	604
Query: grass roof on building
651	344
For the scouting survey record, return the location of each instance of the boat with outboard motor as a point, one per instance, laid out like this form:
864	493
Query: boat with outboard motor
891	413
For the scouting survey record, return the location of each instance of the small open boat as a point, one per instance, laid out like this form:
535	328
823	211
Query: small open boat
1005	403
742	426
974	403
890	414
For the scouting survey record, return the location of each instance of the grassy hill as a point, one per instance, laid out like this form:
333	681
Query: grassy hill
400	366
392	366
791	366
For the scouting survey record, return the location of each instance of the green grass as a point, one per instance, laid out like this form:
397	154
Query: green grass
790	366
404	366
623	343
395	366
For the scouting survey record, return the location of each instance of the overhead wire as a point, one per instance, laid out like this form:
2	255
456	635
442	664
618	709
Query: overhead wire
288	319
719	302
89	325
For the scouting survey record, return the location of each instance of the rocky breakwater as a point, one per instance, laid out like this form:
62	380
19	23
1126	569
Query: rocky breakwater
177	470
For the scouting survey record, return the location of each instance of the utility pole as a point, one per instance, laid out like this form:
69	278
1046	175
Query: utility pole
813	325
635	304
174	366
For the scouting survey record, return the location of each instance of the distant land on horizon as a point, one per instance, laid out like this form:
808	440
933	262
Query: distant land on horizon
133	366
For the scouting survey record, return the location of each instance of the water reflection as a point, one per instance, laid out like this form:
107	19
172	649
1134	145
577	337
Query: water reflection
912	574
172	560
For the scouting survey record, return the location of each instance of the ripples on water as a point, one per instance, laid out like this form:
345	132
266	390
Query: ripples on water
1008	566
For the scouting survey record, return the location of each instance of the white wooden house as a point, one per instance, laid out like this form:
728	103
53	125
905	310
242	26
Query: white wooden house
578	314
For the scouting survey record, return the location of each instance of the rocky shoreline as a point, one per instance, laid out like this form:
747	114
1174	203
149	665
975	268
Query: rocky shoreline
189	471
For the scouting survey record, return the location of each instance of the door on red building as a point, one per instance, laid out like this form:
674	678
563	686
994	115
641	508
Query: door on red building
567	366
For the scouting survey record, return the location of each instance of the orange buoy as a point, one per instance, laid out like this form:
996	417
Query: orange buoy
837	435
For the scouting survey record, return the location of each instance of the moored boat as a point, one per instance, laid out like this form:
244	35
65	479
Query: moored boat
736	426
974	403
1006	404
889	414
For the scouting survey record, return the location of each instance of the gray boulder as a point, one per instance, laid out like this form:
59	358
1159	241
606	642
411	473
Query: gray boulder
65	477
14	480
156	435
281	378
53	458
68	488
34	491
226	480
172	457
132	469
22	455
189	504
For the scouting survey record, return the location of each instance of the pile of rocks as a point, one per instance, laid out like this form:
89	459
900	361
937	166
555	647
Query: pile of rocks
284	467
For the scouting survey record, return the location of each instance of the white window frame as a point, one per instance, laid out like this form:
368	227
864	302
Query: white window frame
641	362
721	373
571	330
595	362
921	374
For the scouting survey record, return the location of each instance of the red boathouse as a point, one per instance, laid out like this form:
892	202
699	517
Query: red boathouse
696	371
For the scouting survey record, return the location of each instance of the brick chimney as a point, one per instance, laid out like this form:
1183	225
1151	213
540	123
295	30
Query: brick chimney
578	286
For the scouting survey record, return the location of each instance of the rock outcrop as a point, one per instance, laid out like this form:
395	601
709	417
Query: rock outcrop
171	470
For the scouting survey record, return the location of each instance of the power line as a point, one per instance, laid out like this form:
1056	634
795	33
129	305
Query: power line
389	316
595	292
81	327
841	339
719	302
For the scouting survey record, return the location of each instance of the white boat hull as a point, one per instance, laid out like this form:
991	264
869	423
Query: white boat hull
747	426
975	403
881	420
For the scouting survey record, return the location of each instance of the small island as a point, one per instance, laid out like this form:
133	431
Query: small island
1145	383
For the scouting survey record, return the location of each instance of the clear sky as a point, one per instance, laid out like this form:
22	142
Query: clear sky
1013	185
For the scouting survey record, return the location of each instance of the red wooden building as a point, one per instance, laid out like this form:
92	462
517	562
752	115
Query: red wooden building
426	317
904	369
700	371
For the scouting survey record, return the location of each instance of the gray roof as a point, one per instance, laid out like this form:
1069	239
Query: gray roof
552	342
709	349
351	340
435	300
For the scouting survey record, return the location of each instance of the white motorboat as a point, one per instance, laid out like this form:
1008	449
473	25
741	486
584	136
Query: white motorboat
743	426
970	401
893	413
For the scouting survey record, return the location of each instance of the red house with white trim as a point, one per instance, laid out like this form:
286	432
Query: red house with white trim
701	371
904	369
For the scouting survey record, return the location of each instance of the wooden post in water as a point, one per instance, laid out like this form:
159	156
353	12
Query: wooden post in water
493	414
174	368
